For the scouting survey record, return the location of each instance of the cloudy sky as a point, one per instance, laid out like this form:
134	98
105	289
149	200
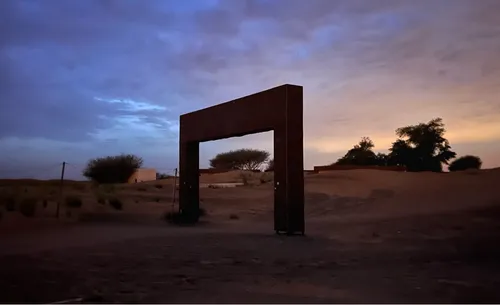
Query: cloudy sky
82	79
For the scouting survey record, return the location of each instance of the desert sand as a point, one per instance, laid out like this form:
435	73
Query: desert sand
371	236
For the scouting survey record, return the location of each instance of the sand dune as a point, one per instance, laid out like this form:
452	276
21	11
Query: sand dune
372	236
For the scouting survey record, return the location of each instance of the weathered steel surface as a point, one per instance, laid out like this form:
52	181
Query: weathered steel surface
279	109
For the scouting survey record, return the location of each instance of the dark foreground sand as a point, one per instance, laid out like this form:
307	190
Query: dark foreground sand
451	257
372	236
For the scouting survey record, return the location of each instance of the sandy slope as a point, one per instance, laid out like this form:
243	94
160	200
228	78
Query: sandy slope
372	236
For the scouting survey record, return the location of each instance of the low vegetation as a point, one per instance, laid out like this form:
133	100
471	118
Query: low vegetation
27	207
179	218
116	203
101	200
10	203
162	176
107	188
244	178
73	202
265	178
80	187
465	163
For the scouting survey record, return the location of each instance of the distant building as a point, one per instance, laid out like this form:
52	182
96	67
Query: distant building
143	174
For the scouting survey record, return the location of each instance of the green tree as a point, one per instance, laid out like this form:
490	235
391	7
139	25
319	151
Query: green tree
360	154
465	162
112	169
241	159
421	147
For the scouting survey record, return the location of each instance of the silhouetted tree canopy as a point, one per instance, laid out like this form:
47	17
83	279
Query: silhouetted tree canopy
421	147
241	159
382	159
362	154
112	169
465	162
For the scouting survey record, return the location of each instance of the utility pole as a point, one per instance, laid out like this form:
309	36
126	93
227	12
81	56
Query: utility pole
174	189
61	189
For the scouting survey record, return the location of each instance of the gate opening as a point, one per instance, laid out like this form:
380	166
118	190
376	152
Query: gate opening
279	109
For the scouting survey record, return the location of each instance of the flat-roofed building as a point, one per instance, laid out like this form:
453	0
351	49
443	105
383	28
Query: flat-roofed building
143	174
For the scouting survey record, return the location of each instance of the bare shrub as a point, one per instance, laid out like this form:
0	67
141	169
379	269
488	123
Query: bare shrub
27	207
265	178
244	178
116	203
79	187
108	188
465	163
180	218
10	203
73	202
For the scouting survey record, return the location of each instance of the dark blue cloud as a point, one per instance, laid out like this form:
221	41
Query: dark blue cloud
95	77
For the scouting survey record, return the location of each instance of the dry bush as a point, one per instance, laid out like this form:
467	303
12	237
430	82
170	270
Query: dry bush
73	202
27	207
37	183
108	188
10	203
101	200
112	169
266	177
179	218
465	163
244	178
116	203
79	187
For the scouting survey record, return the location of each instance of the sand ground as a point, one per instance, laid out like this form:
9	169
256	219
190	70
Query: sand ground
371	236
